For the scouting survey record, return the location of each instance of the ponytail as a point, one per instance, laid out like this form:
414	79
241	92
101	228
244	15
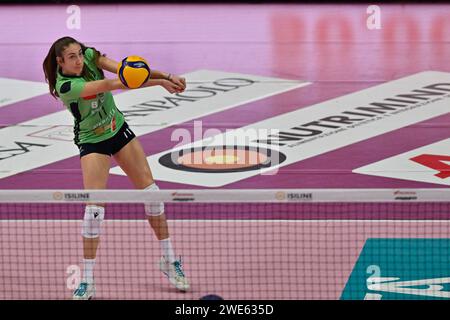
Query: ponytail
50	66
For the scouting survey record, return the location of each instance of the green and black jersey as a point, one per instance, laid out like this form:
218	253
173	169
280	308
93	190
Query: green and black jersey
96	118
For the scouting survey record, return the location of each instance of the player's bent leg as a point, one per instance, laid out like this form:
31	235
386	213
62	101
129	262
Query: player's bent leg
95	169
131	158
169	266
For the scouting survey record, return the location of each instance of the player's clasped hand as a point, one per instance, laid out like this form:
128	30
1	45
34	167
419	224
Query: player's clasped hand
176	84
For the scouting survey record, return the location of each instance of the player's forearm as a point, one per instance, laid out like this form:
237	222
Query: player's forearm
95	87
156	74
99	86
153	82
107	64
114	84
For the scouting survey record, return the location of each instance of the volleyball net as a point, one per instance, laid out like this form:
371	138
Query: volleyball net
235	244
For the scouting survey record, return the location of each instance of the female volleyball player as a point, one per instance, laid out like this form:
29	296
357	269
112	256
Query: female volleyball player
75	74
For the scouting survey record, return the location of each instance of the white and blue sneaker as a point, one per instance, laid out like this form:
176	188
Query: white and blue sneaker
85	291
174	272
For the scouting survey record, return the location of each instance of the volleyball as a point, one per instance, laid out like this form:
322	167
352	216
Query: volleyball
133	71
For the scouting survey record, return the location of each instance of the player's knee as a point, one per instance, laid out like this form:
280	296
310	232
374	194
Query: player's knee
153	209
93	217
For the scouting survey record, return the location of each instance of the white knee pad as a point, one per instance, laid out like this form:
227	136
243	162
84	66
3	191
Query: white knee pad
154	208
93	217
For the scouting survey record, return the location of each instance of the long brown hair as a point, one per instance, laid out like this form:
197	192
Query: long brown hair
50	65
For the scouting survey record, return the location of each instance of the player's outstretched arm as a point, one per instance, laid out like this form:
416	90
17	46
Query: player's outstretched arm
107	64
171	83
95	87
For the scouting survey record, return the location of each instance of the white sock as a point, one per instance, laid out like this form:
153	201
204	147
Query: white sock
167	250
88	274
